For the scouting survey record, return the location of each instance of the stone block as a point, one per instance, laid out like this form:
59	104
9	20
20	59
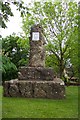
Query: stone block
13	90
33	73
5	89
26	89
35	89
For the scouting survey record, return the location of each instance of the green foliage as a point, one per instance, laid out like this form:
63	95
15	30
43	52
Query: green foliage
9	70
15	52
74	53
6	10
52	62
5	13
42	108
17	49
79	40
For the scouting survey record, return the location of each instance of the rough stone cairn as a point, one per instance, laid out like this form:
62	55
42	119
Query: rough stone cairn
35	81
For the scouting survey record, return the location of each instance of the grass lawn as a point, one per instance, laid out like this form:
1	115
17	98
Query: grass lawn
42	108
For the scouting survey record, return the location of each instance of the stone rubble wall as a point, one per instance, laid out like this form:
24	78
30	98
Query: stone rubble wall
34	89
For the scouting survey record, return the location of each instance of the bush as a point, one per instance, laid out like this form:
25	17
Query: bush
9	70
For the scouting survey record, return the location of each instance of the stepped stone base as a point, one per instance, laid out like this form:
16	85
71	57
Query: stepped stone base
35	73
35	89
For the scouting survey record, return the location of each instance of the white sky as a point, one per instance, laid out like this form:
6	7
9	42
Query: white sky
15	23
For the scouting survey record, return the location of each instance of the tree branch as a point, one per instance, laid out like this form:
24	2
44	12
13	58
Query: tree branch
65	49
55	54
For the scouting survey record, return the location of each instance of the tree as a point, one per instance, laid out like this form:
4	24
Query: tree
59	20
16	49
6	10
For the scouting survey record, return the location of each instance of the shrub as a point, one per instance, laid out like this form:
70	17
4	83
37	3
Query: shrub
9	70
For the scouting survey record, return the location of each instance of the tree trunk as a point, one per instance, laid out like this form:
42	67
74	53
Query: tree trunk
61	67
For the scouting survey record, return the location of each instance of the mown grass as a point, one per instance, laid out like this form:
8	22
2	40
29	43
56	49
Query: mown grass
42	108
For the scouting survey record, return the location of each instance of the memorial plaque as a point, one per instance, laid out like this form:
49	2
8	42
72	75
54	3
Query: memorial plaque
35	36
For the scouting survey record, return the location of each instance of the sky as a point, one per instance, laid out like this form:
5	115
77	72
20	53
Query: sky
15	23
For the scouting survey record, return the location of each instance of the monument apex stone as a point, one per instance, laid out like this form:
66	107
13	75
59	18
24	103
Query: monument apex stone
37	49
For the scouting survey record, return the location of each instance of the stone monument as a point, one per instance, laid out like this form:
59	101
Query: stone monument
35	81
37	52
